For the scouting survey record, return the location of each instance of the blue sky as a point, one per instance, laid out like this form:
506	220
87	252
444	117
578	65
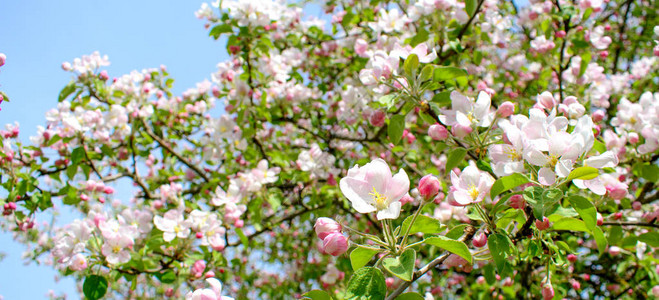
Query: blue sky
37	36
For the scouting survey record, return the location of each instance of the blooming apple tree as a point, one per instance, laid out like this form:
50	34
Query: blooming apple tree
384	150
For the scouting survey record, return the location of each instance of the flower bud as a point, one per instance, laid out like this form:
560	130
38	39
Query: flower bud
633	137
600	219
377	118
546	100
479	240
335	244
66	66
506	109
429	187
461	131
3	57
517	202
614	250
437	132
575	285
542	225
547	291
571	258
325	226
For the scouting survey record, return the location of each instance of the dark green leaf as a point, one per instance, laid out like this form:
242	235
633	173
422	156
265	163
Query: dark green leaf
454	158
396	128
94	287
500	247
167	277
600	240
367	283
456	232
650	238
77	155
442	99
586	210
470	7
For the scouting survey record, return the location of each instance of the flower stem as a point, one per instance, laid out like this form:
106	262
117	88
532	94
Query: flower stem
407	231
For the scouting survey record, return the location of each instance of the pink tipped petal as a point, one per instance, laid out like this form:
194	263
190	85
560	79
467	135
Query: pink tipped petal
349	188
398	186
462	197
546	176
482	105
596	186
215	284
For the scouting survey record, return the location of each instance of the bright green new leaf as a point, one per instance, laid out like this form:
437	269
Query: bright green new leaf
584	173
586	210
396	128
411	64
360	256
423	224
410	296
317	295
402	266
447	73
507	183
456	247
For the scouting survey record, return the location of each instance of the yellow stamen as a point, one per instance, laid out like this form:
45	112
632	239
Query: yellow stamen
379	199
473	192
116	249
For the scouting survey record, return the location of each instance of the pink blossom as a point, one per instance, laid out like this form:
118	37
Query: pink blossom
214	293
429	187
506	109
437	132
472	186
373	188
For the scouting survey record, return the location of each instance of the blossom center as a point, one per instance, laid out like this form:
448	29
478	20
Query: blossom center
553	160
513	154
116	249
379	199
473	192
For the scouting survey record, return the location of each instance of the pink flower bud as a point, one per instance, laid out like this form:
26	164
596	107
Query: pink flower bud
108	190
633	137
198	268
437	132
239	223
560	34
655	289
389	282
575	285
614	250
479	240
604	54
546	100
169	292
636	205
547	291
66	66
325	226
335	244
542	225
104	75
461	131
617	216
429	187
3	57
377	118
571	258
506	109
517	202
600	219
406	199
598	115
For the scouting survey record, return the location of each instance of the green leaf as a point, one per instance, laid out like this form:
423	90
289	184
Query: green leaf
95	287
218	30
456	247
410	296
66	91
586	210
569	224
499	246
456	232
442	99
317	295
243	238
488	272
367	283
615	235
360	256
647	171
426	73
454	158
507	183
585	59
600	239
167	277
423	224
411	64
402	266
388	100
77	155
470	7
650	238
396	128
583	173
447	73
543	202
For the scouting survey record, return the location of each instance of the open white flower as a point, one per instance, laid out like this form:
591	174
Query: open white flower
373	188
